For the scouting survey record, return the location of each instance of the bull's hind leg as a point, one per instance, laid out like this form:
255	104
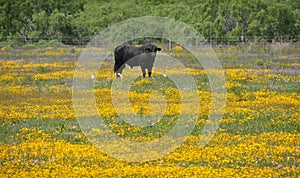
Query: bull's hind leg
119	71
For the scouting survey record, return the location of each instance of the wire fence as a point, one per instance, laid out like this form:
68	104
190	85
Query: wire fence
67	41
16	48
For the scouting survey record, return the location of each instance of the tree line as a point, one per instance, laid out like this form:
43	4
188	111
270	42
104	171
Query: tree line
32	21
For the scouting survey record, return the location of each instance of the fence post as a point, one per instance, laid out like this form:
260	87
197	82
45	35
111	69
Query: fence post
170	44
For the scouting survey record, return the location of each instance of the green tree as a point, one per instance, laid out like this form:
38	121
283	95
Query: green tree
214	19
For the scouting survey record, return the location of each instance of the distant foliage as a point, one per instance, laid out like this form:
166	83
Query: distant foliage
268	20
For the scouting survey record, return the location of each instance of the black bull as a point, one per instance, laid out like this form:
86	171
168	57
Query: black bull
143	56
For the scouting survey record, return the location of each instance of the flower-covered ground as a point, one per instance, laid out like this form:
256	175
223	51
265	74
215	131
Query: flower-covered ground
258	136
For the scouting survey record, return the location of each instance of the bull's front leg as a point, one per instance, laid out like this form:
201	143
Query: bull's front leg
149	71
143	71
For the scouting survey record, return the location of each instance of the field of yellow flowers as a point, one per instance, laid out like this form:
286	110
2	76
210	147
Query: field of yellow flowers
259	135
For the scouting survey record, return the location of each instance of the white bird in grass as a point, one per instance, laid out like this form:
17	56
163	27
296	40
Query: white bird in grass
93	77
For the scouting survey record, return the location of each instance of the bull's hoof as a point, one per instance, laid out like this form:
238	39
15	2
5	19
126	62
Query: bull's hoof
144	75
119	75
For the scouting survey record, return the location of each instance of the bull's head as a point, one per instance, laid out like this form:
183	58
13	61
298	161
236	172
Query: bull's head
151	49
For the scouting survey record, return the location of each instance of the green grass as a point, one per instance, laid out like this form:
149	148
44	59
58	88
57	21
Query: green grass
68	129
65	129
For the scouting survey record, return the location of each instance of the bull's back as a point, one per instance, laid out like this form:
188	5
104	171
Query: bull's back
118	52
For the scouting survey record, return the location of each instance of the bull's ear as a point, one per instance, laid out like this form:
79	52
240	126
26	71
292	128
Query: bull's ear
158	49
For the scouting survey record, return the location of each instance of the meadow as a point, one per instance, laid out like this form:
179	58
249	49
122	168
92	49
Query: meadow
257	137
